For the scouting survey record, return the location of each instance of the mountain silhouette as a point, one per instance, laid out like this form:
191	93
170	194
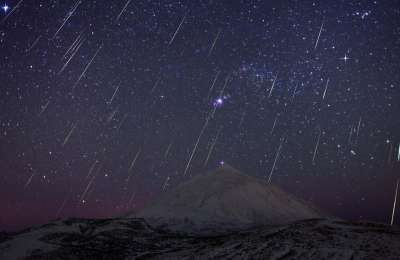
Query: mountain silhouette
225	198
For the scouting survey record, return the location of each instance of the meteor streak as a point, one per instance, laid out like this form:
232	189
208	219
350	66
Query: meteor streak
92	168
168	149
76	42
134	159
111	116
276	159
316	146
69	134
177	29
212	147
87	188
350	134
123	10
394	203
215	40
115	92
359	125
133	164
131	199
319	34
122	121
326	87
195	146
69	14
70	58
223	88
44	108
155	85
62	206
273	126
29	181
212	85
273	85
87	66
34	43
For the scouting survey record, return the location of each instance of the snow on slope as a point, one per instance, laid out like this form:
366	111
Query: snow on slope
225	198
124	238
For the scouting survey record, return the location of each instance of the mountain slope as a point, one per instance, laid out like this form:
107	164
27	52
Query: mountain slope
225	198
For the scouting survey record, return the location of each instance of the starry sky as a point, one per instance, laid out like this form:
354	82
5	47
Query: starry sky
106	104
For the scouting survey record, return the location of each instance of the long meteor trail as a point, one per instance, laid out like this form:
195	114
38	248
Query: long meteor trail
214	42
76	42
195	147
69	134
87	188
115	92
326	88
212	147
70	58
69	14
87	66
212	85
276	159
168	149
319	34
177	29
273	85
135	159
358	126
34	43
123	10
133	164
316	146
394	203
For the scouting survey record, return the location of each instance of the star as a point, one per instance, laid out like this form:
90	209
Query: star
218	102
5	7
345	58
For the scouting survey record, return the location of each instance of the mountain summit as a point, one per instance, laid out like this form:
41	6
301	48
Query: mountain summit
225	198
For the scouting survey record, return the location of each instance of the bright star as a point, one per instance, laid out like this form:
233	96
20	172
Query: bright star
5	8
345	58
218	102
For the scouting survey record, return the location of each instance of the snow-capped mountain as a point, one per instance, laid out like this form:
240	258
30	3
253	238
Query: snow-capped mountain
225	198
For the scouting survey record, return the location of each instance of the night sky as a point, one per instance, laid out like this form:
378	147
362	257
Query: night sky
106	104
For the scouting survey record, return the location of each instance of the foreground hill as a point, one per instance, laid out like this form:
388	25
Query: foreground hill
124	238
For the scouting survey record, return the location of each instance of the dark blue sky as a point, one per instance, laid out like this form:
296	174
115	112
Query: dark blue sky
105	104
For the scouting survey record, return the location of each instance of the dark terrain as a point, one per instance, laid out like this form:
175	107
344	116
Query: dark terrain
133	238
